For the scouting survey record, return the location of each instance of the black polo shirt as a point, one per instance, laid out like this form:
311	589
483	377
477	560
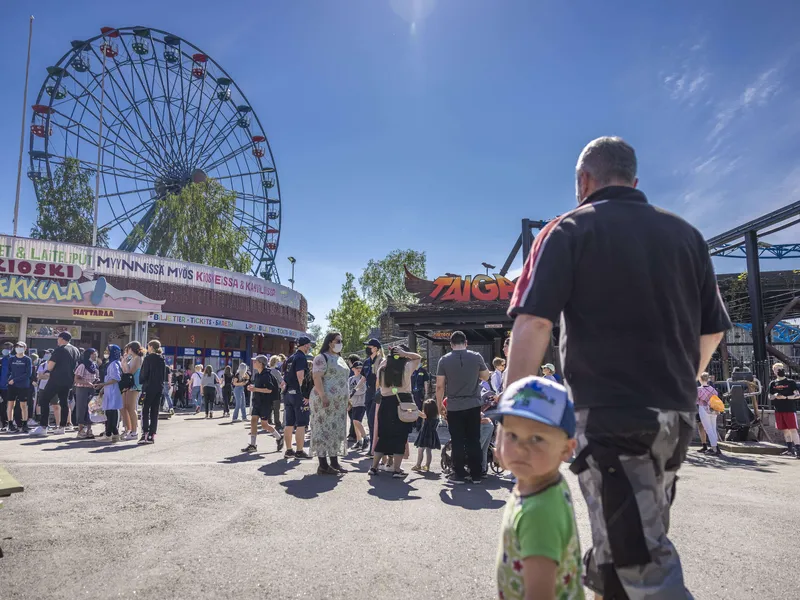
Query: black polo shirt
635	289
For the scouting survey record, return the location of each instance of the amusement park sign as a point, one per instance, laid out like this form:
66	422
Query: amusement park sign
23	256
452	288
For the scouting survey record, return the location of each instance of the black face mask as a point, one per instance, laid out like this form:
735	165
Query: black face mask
781	372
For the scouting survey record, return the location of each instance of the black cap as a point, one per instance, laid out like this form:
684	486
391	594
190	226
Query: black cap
374	343
303	340
65	335
357	364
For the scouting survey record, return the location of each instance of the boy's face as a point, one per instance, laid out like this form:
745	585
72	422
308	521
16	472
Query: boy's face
357	371
532	449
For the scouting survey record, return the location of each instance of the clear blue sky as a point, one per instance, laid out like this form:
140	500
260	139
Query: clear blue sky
439	124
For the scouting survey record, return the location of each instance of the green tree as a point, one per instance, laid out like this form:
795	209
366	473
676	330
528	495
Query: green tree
353	318
384	279
315	329
66	207
197	224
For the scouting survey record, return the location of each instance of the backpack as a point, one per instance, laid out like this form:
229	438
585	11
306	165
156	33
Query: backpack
308	379
272	383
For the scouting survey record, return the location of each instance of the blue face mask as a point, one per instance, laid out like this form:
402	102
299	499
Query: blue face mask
5	352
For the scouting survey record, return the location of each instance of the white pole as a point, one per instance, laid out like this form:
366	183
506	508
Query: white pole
22	134
99	152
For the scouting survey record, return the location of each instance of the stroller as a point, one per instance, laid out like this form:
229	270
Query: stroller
447	457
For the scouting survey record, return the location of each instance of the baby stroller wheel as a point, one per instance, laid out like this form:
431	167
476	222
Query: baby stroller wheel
493	464
447	460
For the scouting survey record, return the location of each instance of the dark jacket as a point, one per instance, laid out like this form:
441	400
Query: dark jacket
19	370
153	373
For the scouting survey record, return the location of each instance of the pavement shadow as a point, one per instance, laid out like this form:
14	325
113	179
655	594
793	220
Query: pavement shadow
385	487
730	461
280	467
242	458
113	448
469	497
227	423
68	445
43	441
310	486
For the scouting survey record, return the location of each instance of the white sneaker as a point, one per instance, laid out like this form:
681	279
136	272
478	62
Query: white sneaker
58	431
33	423
39	432
131	436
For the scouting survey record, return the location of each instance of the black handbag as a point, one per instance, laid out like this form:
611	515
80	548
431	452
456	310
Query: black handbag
126	382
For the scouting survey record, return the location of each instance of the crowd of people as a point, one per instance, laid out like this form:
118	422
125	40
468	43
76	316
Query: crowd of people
633	290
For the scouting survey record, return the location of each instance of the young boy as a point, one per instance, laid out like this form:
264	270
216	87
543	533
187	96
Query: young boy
539	555
783	392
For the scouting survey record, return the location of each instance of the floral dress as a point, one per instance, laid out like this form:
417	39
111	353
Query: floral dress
329	425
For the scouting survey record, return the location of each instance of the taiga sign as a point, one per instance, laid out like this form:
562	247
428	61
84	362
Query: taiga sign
451	288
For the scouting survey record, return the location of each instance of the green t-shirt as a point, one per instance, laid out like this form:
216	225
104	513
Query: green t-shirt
542	524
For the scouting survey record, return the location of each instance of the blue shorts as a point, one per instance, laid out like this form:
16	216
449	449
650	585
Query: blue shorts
358	412
296	414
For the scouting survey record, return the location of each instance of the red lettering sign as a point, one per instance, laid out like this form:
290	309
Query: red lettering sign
39	269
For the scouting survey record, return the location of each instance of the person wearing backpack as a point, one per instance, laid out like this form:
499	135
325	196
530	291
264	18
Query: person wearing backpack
295	399
264	388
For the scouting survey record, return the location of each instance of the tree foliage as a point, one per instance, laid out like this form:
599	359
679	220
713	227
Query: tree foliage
66	207
384	279
315	329
353	318
196	224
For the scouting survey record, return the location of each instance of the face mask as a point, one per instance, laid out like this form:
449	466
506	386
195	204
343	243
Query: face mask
106	355
338	347
5	352
781	373
46	356
19	350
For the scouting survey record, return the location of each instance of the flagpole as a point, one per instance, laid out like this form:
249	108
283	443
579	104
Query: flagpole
22	133
99	150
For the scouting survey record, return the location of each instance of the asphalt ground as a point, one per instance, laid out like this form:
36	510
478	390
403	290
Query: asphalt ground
192	517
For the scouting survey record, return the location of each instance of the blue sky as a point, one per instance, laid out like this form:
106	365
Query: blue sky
440	124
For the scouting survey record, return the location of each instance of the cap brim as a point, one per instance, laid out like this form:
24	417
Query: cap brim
522	414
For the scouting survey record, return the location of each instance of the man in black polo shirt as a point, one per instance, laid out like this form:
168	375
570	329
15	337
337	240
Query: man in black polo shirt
635	291
61	367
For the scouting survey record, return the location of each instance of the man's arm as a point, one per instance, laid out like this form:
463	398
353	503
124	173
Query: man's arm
530	338
708	344
51	365
440	383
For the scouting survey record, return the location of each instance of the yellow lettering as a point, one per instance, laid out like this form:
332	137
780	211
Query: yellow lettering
29	288
4	288
15	288
43	291
73	291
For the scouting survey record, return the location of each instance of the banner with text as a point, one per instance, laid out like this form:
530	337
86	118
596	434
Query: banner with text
103	261
180	319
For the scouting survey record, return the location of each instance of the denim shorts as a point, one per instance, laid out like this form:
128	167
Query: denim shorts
296	414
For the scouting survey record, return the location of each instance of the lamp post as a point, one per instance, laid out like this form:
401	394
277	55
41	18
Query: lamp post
22	135
487	266
292	260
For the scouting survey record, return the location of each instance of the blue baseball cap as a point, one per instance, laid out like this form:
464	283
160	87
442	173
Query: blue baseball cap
539	399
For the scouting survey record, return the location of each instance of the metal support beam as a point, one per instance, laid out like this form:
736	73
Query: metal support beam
527	239
756	307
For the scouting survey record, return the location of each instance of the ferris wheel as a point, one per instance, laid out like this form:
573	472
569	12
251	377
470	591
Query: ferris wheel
167	115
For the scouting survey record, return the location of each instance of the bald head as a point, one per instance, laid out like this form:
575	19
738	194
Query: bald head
603	162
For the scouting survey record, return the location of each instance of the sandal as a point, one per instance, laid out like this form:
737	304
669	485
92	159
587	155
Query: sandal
372	471
418	469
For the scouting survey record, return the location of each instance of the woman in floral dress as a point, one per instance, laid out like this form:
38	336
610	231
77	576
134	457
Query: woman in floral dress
329	405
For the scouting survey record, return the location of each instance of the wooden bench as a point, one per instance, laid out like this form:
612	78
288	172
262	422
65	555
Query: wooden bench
8	486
